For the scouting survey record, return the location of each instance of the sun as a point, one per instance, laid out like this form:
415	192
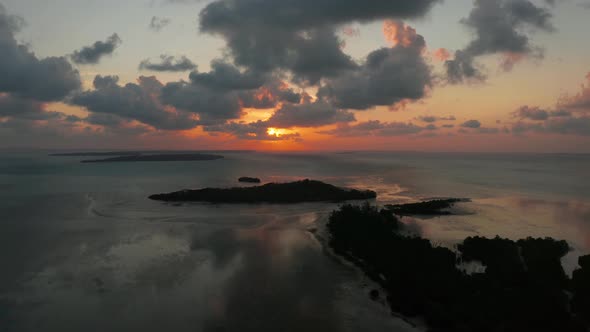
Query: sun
274	132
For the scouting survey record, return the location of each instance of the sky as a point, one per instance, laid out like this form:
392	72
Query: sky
296	75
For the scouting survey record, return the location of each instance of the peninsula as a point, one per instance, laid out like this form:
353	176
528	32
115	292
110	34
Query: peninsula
522	287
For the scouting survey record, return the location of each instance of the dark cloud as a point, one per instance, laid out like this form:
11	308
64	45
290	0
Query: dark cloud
218	95
159	23
428	119
471	124
500	26
314	114
250	131
432	118
182	2
225	77
104	119
562	125
309	55
23	75
388	76
375	128
211	106
92	54
9	24
585	5
538	114
168	63
15	107
298	36
532	113
232	14
134	102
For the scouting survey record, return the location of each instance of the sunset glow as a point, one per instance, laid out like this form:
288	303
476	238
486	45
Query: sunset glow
311	86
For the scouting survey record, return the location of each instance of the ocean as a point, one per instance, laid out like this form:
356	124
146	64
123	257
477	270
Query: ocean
83	249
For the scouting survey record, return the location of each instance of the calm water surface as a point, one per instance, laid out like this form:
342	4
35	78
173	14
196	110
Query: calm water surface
84	249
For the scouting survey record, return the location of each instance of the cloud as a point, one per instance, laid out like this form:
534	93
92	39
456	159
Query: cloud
183	2
388	76
396	32
441	54
500	26
375	128
471	124
296	36
226	77
570	118
23	75
314	114
168	63
563	125
538	114
133	101
15	107
250	131
159	23
579	102
92	54
211	106
269	95
230	14
432	119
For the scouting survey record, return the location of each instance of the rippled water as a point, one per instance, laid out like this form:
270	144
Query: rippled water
83	249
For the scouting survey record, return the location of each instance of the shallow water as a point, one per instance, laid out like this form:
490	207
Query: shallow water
83	249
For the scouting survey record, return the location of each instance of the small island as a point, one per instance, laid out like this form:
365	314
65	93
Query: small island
293	192
437	207
523	286
156	157
247	179
96	154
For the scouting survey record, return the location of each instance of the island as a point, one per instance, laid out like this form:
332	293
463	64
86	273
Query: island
247	179
292	192
96	154
523	286
156	157
426	208
146	152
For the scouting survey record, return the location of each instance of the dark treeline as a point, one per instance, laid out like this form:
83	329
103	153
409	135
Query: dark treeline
523	288
292	192
433	207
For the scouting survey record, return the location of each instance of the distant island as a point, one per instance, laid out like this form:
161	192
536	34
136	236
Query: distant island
426	208
95	154
137	152
156	157
521	287
247	179
293	192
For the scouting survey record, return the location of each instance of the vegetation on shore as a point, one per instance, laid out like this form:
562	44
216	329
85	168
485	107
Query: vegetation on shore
433	207
523	288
